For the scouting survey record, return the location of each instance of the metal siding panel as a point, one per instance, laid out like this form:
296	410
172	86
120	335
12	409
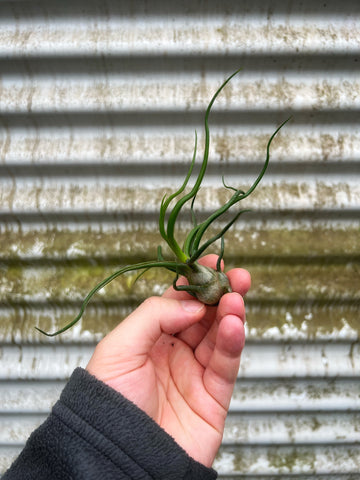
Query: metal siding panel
98	101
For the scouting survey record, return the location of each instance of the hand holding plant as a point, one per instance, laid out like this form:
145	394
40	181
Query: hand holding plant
177	360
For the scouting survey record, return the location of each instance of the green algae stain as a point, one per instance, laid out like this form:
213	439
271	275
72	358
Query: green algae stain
303	281
241	242
291	460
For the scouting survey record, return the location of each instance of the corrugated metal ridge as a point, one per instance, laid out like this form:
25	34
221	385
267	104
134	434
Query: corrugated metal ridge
100	100
181	92
260	360
113	33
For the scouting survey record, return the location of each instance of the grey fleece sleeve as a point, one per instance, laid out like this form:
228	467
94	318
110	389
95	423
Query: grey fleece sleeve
93	432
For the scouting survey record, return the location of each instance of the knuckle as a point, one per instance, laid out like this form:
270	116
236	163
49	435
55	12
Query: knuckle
151	303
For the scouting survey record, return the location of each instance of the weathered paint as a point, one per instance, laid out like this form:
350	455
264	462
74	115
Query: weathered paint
43	196
98	107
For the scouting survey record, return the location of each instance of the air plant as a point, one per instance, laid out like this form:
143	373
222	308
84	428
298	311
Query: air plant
204	283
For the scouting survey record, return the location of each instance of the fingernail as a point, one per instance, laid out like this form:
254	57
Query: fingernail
191	306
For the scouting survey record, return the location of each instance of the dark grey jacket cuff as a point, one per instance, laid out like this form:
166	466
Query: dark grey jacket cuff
94	432
128	436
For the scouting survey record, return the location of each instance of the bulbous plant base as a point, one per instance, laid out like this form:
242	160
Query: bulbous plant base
205	283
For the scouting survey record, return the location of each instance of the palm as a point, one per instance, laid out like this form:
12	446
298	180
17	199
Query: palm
184	407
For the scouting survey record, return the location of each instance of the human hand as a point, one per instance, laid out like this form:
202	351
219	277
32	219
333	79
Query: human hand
177	360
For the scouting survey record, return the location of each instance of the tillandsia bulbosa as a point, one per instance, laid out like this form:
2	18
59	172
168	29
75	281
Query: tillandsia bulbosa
205	283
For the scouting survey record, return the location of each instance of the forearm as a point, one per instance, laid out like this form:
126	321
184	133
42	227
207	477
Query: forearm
94	432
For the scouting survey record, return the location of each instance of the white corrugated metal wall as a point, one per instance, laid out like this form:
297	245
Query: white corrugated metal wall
98	102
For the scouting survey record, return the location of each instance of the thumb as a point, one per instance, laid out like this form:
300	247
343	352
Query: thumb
128	346
155	316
